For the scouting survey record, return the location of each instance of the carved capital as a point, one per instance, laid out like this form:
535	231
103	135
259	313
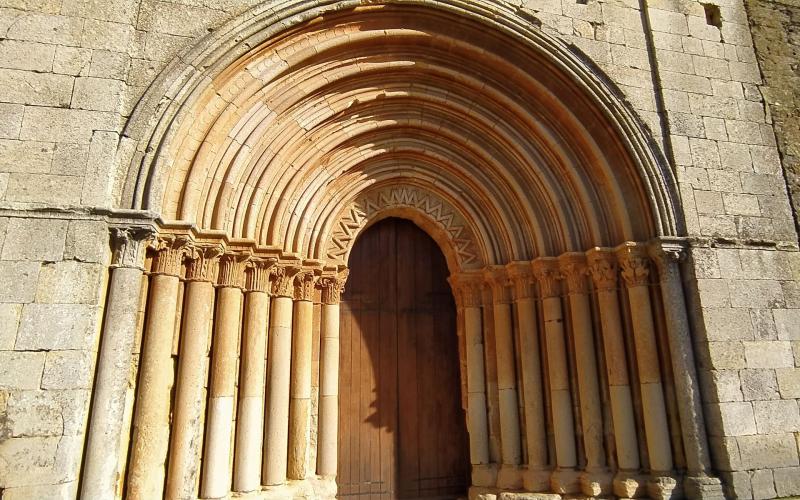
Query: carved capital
548	275
521	276
467	289
635	264
304	282
257	274
332	287
203	262
128	245
574	270
498	281
603	268
666	258
231	270
282	277
170	251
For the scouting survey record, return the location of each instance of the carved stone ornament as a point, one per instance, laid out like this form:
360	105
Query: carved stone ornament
170	252
467	289
666	258
304	283
521	275
603	268
500	283
203	262
128	245
283	280
574	270
548	275
635	265
258	274
231	270
332	287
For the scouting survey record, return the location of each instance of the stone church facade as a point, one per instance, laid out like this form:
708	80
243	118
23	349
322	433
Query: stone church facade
182	184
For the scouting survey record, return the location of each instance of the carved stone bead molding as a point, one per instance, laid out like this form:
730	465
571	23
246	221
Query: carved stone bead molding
129	244
332	287
666	257
283	280
603	268
231	270
548	275
258	273
500	283
521	275
203	262
170	251
304	283
635	264
574	270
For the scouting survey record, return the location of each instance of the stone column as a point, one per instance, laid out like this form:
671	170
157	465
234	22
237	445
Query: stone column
564	479
603	267
101	466
327	442
595	481
537	477
278	376
300	388
250	420
187	420
636	272
698	483
510	447
216	481
150	434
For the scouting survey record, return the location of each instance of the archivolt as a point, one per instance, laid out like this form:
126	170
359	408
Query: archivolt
291	119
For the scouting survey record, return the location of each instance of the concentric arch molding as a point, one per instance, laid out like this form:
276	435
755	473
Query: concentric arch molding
431	212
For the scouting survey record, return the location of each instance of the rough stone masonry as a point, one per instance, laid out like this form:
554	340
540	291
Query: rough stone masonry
713	83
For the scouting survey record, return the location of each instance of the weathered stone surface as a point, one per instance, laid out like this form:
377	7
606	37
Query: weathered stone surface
789	382
787	321
9	321
70	282
759	385
773	417
56	326
21	370
18	281
787	481
38	413
764	451
68	370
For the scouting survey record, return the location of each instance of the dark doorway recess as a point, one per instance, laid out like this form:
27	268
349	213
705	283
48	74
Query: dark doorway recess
402	431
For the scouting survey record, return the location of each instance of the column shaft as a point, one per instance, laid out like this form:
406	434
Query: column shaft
187	421
507	385
150	435
216	481
329	391
476	388
103	439
250	421
300	393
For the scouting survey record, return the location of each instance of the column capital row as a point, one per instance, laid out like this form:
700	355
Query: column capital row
570	273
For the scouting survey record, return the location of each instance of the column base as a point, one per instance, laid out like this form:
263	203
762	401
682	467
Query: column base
565	481
484	475
509	477
476	493
663	487
536	479
703	488
629	485
596	483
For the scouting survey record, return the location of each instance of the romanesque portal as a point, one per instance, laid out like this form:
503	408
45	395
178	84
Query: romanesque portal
280	142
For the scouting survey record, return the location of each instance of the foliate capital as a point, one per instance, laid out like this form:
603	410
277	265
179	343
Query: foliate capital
548	275
498	281
231	270
332	287
128	244
257	274
467	289
603	268
635	264
304	282
521	276
203	262
282	277
170	251
574	270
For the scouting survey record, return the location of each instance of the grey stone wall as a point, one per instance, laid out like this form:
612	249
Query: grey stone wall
71	72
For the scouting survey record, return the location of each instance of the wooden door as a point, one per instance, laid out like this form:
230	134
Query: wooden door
402	431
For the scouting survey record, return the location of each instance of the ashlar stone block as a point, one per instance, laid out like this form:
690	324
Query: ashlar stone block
773	417
57	327
34	239
18	281
68	370
21	370
763	451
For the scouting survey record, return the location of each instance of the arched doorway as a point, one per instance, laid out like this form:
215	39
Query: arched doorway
402	428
